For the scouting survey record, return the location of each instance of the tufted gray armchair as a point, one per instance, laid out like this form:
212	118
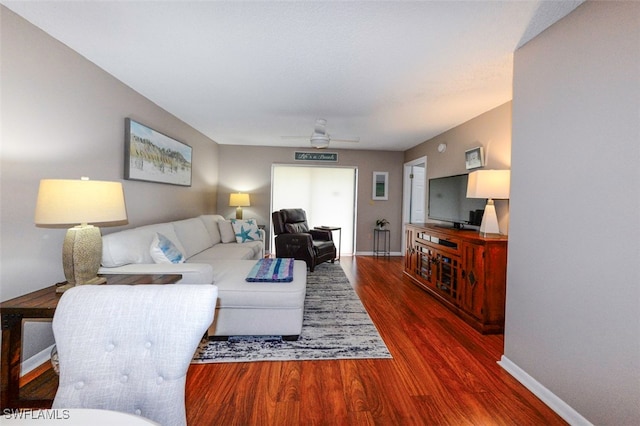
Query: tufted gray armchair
128	348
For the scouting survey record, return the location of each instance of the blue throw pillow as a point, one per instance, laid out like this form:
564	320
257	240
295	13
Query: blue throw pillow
164	251
246	230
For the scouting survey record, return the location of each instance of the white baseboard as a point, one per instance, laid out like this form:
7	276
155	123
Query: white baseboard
563	409
36	361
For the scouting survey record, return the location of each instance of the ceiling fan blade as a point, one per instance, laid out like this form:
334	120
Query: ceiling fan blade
305	137
345	140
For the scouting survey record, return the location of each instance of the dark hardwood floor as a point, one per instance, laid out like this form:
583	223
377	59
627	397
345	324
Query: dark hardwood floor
443	372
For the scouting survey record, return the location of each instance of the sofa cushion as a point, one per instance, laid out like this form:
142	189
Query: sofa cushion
132	245
226	231
193	235
211	223
162	250
246	230
250	250
257	247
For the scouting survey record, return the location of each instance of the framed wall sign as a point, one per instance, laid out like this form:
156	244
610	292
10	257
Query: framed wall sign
154	157
380	186
316	156
474	158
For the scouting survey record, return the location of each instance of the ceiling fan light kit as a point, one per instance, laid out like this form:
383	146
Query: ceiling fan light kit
319	141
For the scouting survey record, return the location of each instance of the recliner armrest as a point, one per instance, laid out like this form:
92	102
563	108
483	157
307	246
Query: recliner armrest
321	234
298	246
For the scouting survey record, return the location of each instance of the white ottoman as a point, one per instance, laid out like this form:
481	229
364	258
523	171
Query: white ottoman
257	308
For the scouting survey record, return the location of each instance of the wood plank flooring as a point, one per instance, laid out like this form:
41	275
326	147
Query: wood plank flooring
443	372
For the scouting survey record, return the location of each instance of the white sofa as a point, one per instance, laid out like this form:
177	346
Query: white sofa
213	256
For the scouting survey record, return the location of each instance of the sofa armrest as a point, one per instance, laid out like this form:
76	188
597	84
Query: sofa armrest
263	235
192	273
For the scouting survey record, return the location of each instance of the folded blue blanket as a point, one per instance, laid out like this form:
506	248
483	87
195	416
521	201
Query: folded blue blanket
272	271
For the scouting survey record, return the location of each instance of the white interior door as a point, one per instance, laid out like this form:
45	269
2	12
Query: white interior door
417	211
414	190
327	194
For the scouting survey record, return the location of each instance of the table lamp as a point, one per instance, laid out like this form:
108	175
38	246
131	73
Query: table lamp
239	201
489	184
80	202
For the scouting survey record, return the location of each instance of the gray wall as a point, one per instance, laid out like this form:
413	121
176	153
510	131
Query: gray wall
252	173
63	117
573	299
573	291
491	130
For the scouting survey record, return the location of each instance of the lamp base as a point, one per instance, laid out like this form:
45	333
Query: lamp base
239	213
489	225
63	288
81	256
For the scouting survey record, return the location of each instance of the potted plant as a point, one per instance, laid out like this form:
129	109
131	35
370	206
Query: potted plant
381	223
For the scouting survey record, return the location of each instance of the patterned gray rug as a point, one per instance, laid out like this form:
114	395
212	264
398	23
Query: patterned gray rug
335	326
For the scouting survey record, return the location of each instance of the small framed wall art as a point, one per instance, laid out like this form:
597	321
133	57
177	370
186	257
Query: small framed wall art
380	186
474	158
154	157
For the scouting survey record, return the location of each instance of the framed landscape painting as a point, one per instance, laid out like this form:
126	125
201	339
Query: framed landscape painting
154	157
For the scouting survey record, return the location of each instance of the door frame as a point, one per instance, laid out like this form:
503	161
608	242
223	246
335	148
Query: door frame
406	193
352	249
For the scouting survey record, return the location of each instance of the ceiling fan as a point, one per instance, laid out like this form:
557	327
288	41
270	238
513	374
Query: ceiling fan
320	138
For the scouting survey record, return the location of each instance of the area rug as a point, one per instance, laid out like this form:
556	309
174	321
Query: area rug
335	326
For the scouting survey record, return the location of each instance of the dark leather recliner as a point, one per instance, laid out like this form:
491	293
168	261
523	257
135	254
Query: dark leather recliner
295	240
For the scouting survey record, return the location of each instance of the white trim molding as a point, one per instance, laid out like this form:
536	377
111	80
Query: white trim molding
563	409
36	360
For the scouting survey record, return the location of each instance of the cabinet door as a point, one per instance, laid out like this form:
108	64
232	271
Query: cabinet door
472	297
409	252
425	265
447	273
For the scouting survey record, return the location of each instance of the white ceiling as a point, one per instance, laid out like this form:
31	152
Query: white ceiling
394	73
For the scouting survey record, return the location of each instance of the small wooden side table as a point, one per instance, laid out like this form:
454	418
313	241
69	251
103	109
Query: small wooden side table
42	304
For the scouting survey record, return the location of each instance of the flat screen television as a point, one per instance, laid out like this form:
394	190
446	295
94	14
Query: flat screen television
448	202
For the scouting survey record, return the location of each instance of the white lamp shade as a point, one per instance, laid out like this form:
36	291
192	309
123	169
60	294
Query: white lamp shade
72	202
239	200
493	184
